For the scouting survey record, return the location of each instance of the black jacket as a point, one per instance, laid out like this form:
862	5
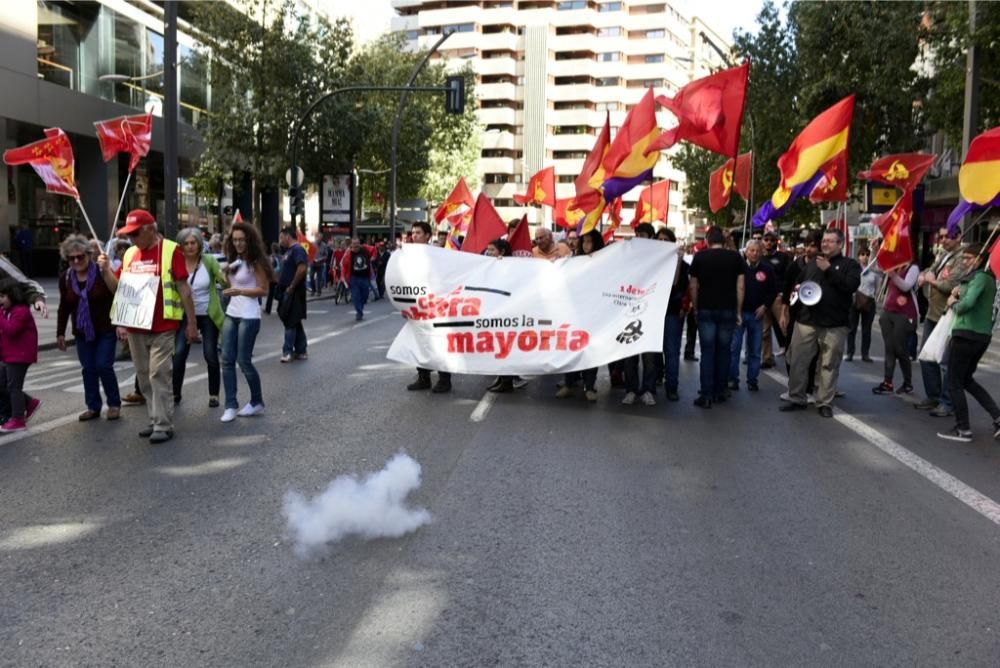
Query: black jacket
838	283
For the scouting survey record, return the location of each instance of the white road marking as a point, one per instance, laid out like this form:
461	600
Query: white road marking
971	497
481	410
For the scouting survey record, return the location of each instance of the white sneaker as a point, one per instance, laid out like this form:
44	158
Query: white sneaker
250	410
647	399
811	398
228	415
628	399
785	396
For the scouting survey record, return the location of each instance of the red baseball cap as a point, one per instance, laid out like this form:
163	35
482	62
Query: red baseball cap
135	220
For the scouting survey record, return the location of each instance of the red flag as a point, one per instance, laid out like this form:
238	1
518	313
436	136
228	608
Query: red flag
520	239
903	170
126	134
720	186
653	204
744	165
541	188
237	218
709	112
486	226
51	158
840	223
587	192
615	218
567	214
307	246
896	249
832	186
995	258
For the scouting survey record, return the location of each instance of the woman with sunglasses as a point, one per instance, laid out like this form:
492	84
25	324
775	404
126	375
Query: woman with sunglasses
84	296
250	277
204	275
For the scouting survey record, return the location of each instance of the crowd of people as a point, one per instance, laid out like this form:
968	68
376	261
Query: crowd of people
739	305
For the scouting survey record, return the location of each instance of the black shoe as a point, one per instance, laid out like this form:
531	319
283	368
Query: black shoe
734	385
722	398
849	357
147	432
673	396
690	358
703	402
213	402
505	386
753	387
792	406
177	399
495	384
441	387
420	383
161	436
825	411
867	359
769	364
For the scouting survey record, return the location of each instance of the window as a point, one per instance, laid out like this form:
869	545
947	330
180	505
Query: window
608	106
459	27
614	31
609	57
572	4
412	34
569	155
503	202
566	178
610	7
653	58
674	186
655	34
607	81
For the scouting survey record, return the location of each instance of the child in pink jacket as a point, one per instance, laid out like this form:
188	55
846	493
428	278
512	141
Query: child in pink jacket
18	351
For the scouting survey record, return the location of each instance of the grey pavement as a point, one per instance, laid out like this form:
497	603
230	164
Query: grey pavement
563	534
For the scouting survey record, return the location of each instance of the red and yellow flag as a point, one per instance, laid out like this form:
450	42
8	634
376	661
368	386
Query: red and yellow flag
52	159
896	249
457	210
628	162
653	204
541	189
614	219
832	185
567	214
591	176
979	176
903	170
733	175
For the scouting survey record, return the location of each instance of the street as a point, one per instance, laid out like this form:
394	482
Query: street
563	533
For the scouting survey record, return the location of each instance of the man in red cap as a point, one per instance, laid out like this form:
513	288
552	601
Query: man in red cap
152	295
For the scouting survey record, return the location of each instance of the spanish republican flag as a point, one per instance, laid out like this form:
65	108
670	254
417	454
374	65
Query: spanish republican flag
832	183
626	164
903	170
824	139
709	112
653	204
486	226
541	189
52	159
591	176
979	176
896	249
732	175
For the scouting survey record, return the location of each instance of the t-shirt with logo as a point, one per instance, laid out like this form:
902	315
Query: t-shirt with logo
361	264
717	270
147	261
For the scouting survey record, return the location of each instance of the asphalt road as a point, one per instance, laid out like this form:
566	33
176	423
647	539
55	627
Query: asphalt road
563	534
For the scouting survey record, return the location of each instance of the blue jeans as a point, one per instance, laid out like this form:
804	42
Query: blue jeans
210	349
238	338
935	376
673	328
644	382
295	340
715	330
359	293
754	329
97	359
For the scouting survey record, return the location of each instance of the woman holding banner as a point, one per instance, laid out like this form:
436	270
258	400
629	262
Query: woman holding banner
591	242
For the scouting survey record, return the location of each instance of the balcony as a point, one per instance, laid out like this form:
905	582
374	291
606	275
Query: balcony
502	190
574	166
502	140
499	166
570	142
488	66
497	91
591	118
500	116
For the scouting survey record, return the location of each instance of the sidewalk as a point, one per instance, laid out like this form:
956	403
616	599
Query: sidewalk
47	326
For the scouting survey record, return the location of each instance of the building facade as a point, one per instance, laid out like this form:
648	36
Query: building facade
548	72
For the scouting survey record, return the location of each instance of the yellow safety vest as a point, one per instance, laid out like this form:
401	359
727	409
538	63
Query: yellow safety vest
173	307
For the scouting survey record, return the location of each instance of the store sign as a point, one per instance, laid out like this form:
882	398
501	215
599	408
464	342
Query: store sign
335	199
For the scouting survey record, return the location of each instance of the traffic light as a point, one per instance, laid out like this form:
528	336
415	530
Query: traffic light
297	201
454	102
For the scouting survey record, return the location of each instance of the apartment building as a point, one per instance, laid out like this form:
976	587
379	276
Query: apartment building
547	72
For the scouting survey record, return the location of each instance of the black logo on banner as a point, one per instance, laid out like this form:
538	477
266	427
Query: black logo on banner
631	333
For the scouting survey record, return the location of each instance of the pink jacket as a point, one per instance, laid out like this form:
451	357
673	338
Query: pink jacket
18	335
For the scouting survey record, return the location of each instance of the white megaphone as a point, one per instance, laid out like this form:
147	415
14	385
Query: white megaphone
810	293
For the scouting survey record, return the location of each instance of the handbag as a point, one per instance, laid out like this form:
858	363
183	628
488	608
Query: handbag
864	303
936	345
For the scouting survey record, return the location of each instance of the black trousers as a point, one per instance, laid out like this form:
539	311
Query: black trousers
963	358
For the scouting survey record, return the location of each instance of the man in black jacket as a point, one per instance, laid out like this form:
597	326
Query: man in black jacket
822	327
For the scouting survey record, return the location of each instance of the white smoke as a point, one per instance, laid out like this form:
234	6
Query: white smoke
373	507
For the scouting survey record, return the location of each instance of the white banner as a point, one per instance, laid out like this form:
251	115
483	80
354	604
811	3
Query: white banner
478	315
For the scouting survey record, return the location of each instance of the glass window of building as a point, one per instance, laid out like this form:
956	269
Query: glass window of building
68	44
610	57
655	34
611	31
193	85
653	58
606	81
572	4
611	7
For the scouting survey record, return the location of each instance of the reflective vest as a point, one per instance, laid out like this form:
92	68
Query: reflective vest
173	307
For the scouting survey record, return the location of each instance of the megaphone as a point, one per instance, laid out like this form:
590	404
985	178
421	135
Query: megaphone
810	293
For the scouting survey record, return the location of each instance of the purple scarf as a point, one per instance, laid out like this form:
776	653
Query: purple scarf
83	320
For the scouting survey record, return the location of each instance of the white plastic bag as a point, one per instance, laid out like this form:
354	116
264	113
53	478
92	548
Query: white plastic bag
936	344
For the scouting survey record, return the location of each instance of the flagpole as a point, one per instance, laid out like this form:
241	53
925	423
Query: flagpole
986	246
87	218
978	220
121	201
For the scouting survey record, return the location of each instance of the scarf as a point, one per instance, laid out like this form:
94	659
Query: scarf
84	323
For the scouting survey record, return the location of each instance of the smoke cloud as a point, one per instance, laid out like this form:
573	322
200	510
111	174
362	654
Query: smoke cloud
373	507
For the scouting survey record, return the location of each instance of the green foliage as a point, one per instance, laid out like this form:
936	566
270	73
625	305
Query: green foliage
947	37
698	164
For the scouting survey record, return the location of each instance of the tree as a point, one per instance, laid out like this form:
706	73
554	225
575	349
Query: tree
947	38
697	165
447	165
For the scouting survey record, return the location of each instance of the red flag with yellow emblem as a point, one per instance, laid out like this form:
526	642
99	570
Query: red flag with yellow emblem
52	159
896	249
307	246
541	189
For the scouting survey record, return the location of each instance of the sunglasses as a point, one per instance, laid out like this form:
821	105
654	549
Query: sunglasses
76	258
133	234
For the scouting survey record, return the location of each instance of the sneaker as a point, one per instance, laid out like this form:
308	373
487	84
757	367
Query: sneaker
673	396
114	413
867	359
420	383
441	387
228	415
495	384
285	359
519	383
734	385
926	405
628	399
250	410
690	358
647	399
134	398
301	356
956	434
14	424
849	357
703	402
31	408
213	402
502	386
941	411
88	415
590	395
784	396
359	317
161	436
885	387
753	387
905	388
565	392
147	432
810	398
